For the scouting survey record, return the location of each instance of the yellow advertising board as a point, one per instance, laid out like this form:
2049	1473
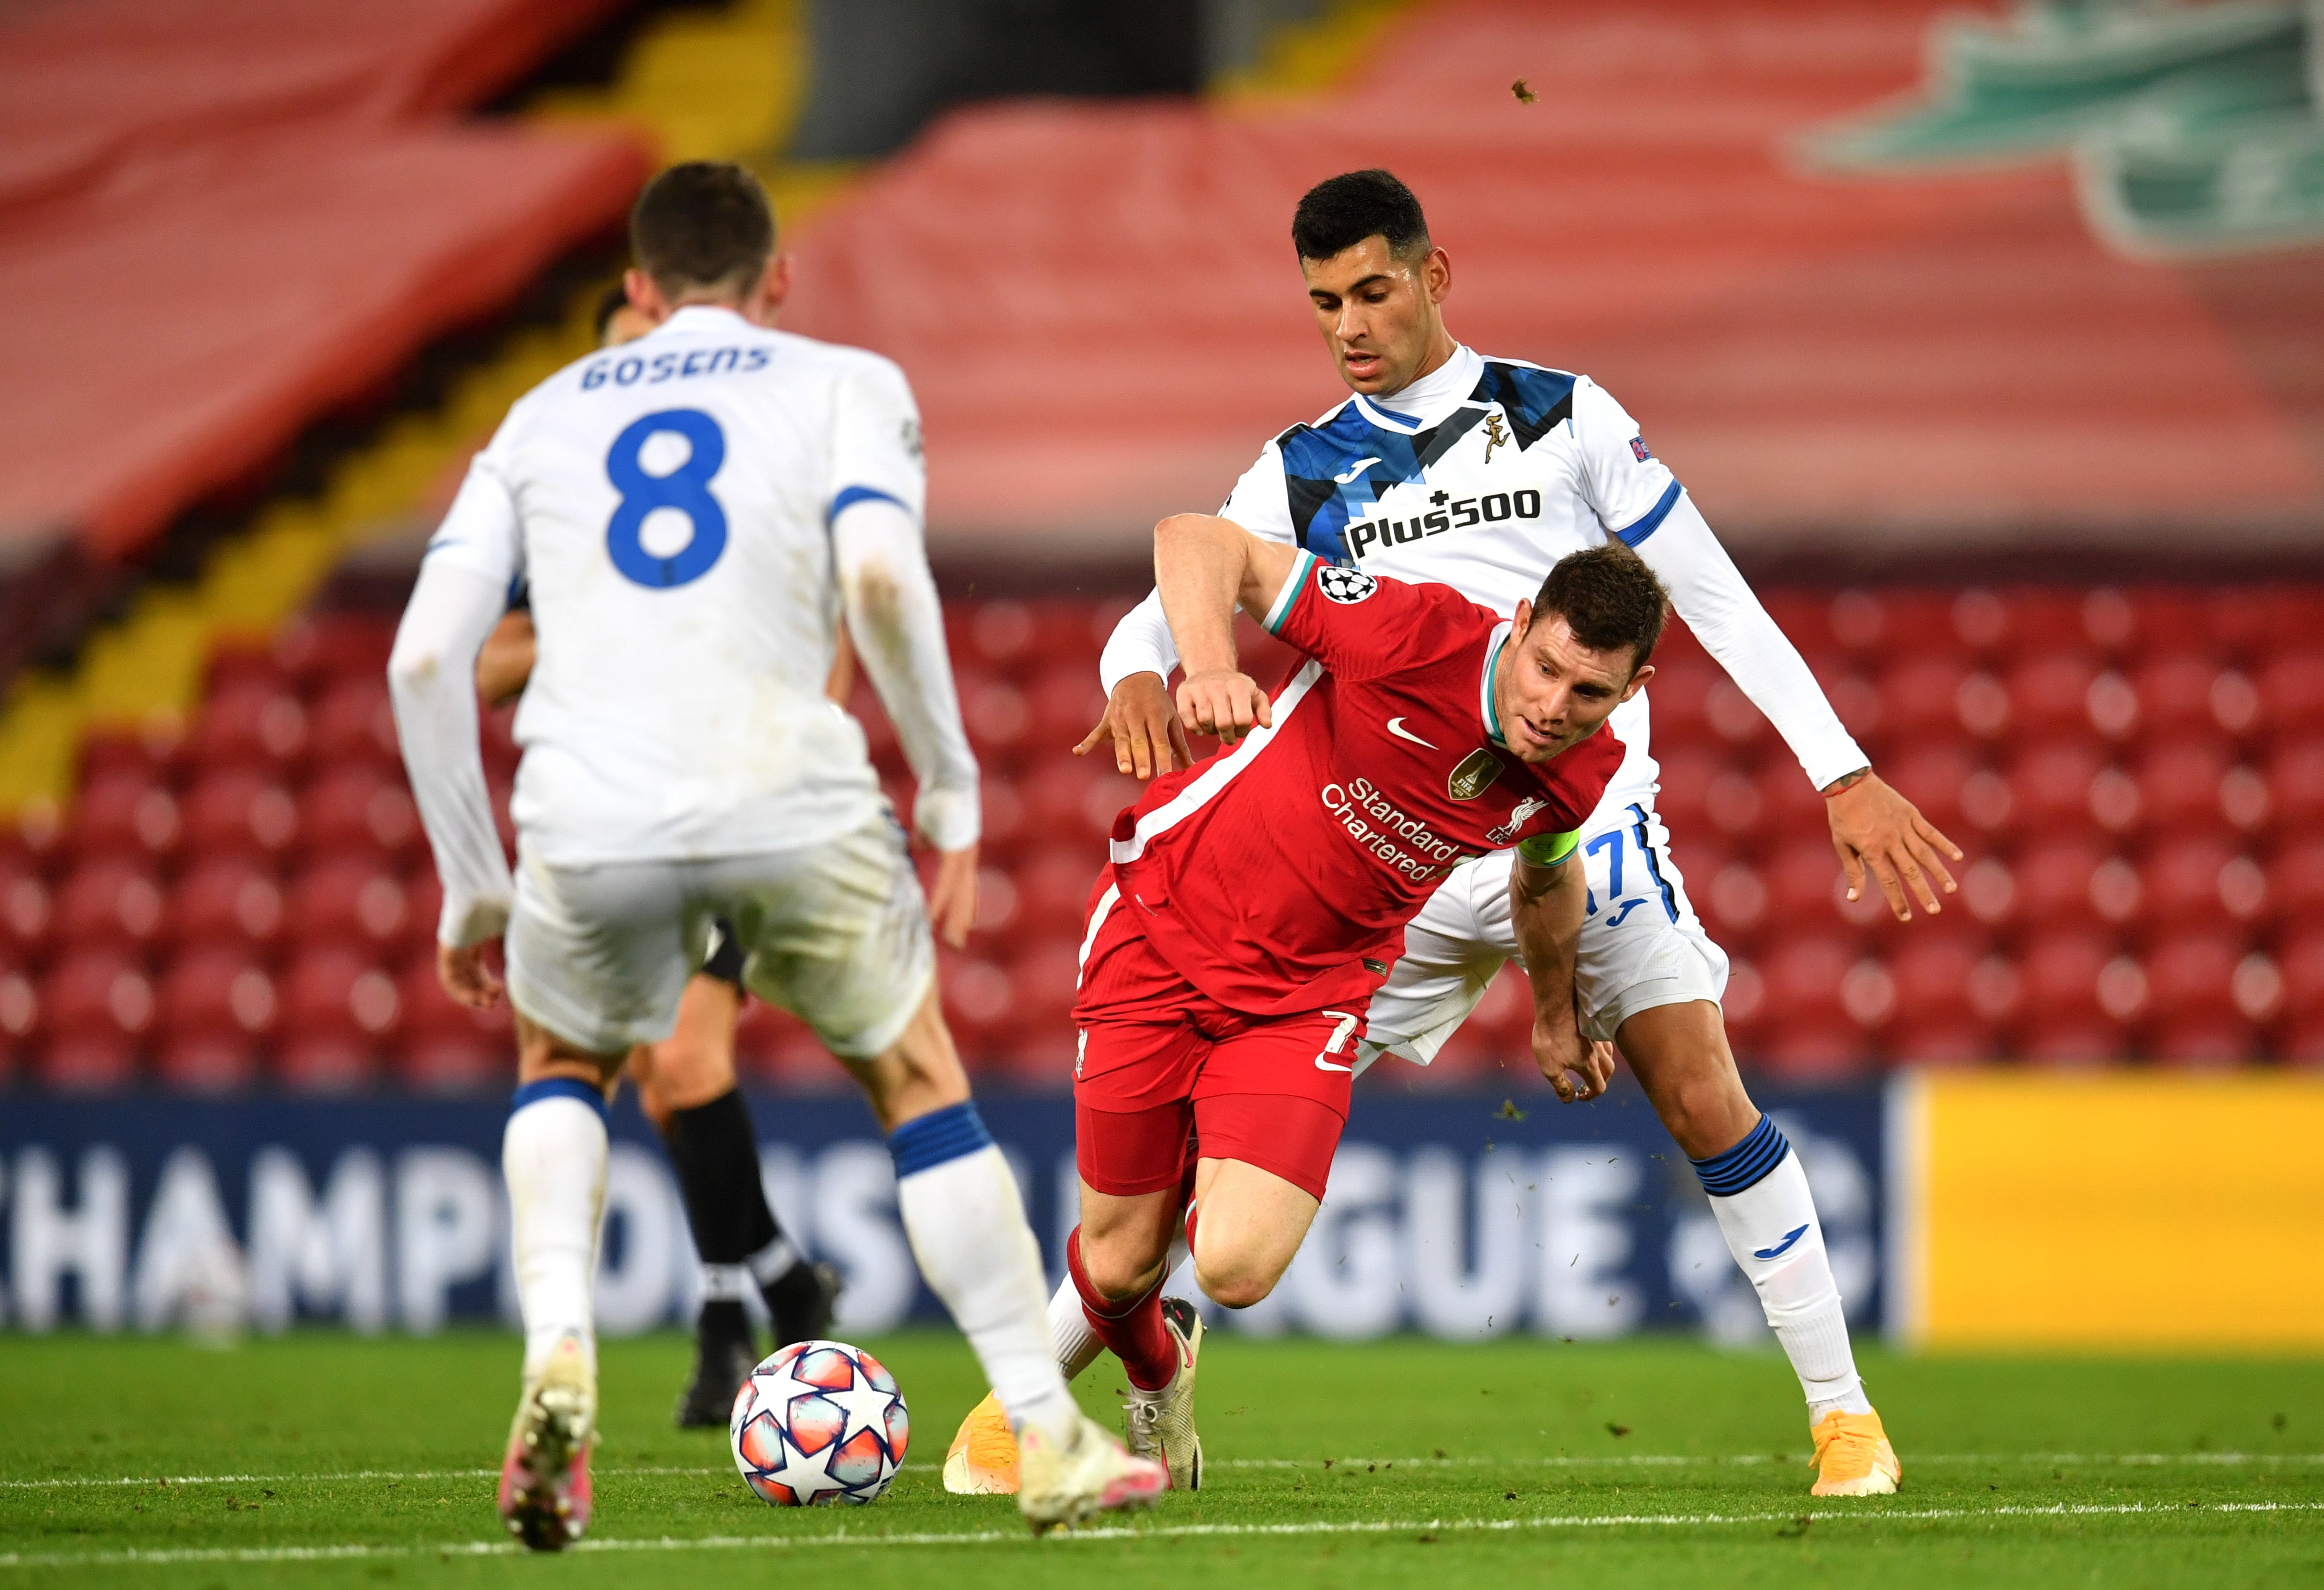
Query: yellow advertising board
2118	1209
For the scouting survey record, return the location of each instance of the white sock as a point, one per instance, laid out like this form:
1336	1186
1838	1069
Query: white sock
1070	1337
967	1228
553	1158
1760	1198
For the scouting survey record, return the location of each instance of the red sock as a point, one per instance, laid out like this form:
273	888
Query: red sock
1133	1331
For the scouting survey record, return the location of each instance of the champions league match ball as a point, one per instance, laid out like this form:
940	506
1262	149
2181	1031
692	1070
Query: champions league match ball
819	1422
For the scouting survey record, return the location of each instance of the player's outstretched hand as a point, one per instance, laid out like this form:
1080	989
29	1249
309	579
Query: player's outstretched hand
1875	829
952	903
1576	1067
1145	728
1224	703
466	977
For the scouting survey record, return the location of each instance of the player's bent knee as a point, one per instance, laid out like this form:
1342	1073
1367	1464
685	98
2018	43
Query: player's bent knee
1236	1286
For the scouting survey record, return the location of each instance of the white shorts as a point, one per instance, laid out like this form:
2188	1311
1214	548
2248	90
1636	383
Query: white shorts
836	933
1642	944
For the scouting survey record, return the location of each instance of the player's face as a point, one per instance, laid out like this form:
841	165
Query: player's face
1552	692
1378	314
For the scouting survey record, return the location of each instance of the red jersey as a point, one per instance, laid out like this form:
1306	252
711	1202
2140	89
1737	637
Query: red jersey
1279	875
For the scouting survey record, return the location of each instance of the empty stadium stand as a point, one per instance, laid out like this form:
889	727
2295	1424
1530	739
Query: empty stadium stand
2136	776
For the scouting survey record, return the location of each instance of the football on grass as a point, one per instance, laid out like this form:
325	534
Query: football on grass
819	1422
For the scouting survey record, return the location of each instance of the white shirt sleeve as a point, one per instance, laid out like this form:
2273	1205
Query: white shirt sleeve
1140	643
880	488
1627	486
431	676
1710	593
1640	503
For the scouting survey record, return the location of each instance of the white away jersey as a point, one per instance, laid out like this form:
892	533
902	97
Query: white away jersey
669	502
1483	492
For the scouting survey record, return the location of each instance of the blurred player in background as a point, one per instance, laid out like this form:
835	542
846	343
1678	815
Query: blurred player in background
693	513
1481	473
686	1084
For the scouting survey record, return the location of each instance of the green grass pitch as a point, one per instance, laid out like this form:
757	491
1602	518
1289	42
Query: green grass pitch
321	1459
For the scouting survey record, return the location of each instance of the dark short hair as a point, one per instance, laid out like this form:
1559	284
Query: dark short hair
1337	213
610	302
1609	598
703	224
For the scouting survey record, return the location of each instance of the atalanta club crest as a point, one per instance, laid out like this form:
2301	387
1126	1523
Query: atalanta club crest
1345	585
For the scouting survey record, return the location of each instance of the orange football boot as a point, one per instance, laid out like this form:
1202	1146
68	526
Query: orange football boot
1853	1456
983	1461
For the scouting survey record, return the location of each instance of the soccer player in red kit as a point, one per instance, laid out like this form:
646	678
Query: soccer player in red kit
1254	902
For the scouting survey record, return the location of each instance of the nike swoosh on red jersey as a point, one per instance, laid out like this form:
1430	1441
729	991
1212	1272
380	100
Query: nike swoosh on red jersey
1396	726
1324	1065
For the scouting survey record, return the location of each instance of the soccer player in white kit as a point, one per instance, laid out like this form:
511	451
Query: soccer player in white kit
1480	473
694	512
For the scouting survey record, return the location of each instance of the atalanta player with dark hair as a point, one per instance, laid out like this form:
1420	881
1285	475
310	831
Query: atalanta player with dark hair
1480	473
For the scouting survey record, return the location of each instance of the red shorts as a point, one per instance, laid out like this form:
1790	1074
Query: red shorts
1163	1067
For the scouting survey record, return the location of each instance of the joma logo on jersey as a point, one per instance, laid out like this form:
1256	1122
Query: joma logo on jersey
1451	512
1474	776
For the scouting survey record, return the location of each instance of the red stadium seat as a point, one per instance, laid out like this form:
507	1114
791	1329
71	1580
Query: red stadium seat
2059	972
1732	900
1801	882
452	1063
1952	1039
1791	808
112	904
125	813
2180	785
2191	979
496	740
99	998
2186	693
1733	718
2299	965
2291	691
353	725
233	901
359	809
1063	705
1054	887
2050	696
338	1008
1044	976
2295	884
250	722
2053	884
217	993
1679	691
238	811
2200	882
331	646
90	1063
1004	817
2065	786
1921	697
1688	773
207	1063
27	914
1803	973
1933	969
2295	786
997	716
353	902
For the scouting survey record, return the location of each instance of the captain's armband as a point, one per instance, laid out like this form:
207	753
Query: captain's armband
1549	850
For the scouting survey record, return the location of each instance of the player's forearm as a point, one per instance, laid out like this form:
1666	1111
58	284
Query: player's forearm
1711	595
1546	910
1200	564
1140	643
431	677
506	662
897	626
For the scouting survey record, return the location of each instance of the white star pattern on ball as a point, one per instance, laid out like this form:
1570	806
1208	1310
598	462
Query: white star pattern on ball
858	1431
867	1407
